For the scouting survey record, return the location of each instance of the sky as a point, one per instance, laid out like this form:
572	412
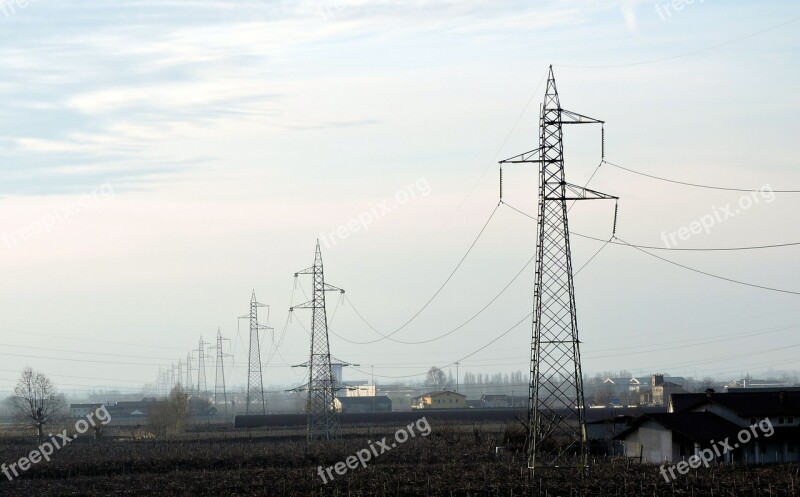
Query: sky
160	161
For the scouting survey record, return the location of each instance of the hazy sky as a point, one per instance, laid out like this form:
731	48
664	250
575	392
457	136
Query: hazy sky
160	160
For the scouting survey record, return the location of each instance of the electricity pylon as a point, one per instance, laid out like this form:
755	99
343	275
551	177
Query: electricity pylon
219	379
255	378
202	389
557	417
188	387
322	421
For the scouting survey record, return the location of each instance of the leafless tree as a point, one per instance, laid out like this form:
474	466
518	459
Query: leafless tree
436	378
36	400
170	415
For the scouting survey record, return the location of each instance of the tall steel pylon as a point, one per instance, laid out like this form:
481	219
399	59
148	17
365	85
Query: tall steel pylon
188	386
202	388
322	421
557	417
220	395
255	378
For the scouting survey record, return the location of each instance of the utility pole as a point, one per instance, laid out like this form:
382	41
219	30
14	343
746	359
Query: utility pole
255	378
557	417
322	421
456	377
219	379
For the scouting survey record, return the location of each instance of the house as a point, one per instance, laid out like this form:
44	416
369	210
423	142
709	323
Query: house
672	437
759	427
82	410
442	399
380	403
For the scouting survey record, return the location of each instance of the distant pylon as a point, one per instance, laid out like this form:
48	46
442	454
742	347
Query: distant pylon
557	431
322	421
255	377
188	387
219	380
202	388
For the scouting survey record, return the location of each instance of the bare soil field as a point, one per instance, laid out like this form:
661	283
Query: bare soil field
451	461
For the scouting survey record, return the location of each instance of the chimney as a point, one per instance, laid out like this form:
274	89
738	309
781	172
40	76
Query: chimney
709	392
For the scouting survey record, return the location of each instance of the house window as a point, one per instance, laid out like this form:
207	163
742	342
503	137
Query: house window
780	421
790	420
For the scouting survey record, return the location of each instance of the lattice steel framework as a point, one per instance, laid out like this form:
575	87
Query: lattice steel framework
202	388
255	378
557	435
322	422
220	396
189	369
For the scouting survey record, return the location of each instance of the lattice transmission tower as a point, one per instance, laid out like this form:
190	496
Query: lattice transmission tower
220	396
557	432
322	422
189	368
202	387
255	378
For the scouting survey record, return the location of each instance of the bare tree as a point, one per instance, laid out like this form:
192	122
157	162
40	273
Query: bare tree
436	378
170	415
36	400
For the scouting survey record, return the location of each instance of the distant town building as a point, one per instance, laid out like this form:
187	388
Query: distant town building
442	399
82	410
350	389
748	382
130	410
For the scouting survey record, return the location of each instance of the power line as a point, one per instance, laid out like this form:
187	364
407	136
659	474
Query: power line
93	340
687	54
696	185
731	280
674	249
494	157
492	301
446	281
457	360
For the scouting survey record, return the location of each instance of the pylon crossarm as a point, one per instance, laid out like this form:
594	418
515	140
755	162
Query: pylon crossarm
524	157
575	192
569	117
305	271
331	288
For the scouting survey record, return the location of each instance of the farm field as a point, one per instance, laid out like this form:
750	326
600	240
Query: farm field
454	460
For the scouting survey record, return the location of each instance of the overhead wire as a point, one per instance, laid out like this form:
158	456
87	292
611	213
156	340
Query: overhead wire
446	281
687	54
439	337
674	249
509	330
697	185
711	275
